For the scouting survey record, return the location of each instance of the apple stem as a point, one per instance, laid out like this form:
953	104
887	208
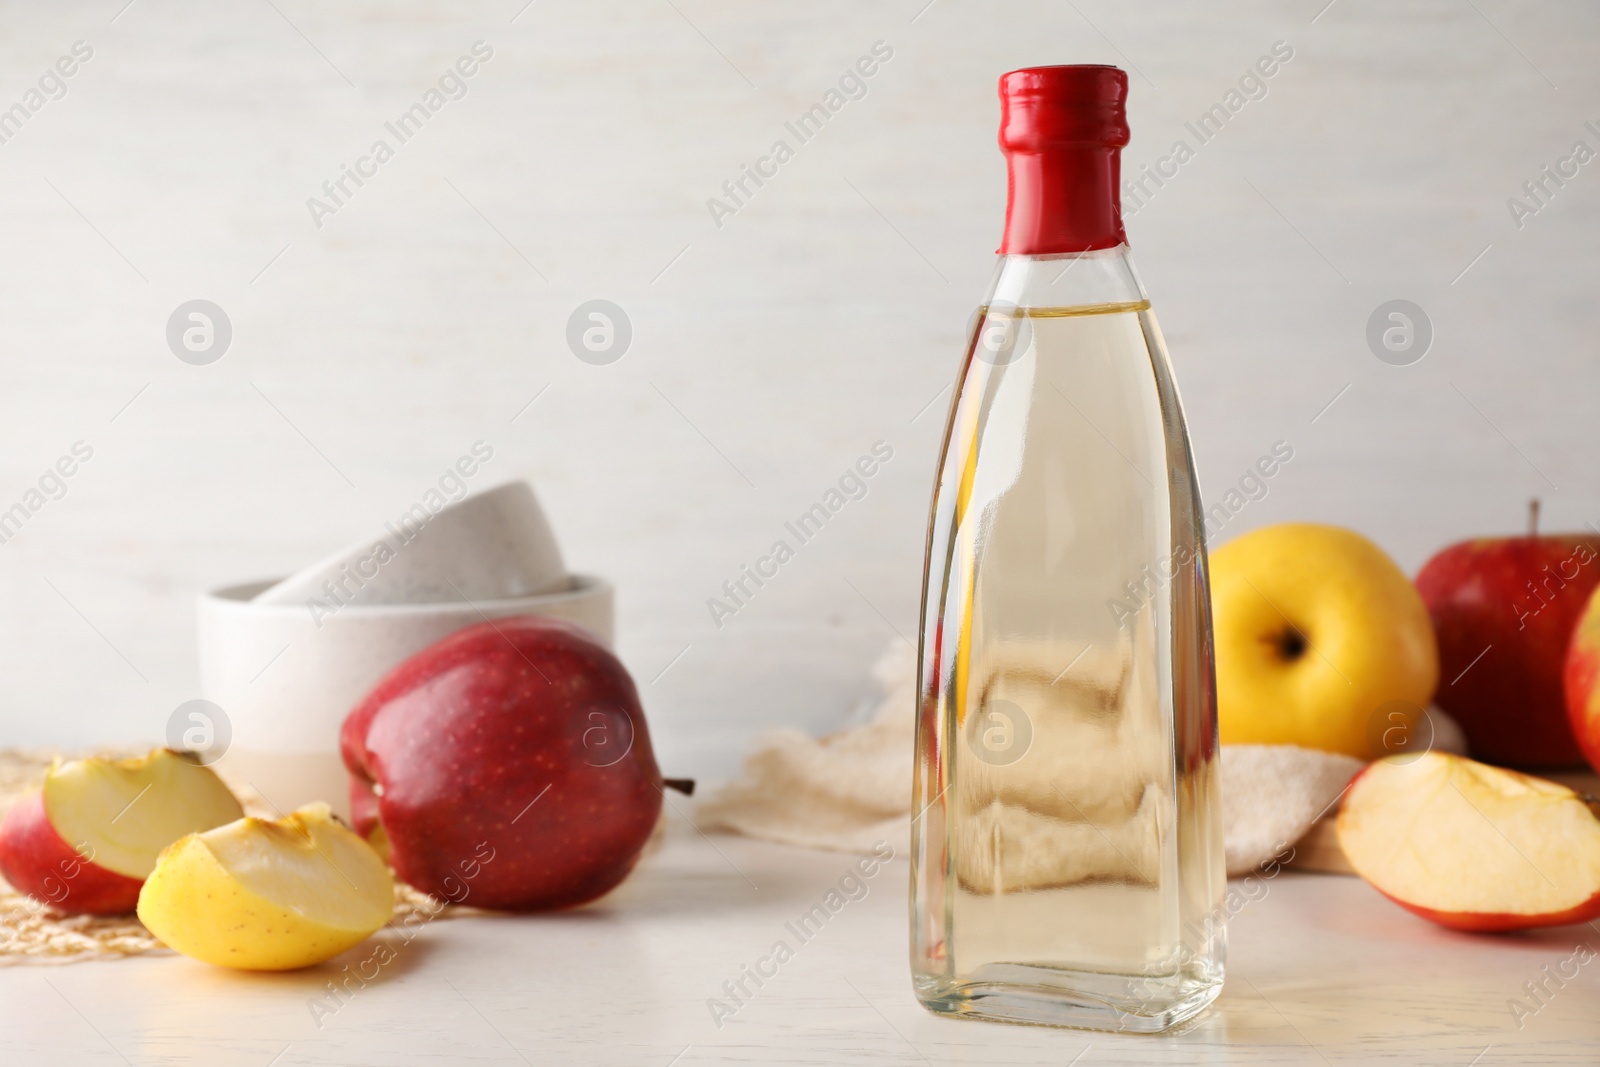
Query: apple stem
1533	517
682	785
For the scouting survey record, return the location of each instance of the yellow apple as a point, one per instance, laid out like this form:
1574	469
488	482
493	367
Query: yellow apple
1321	641
268	895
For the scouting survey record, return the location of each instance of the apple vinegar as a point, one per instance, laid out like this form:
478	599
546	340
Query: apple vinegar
1067	861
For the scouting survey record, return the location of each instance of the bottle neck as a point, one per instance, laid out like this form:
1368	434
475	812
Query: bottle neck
1101	277
1063	198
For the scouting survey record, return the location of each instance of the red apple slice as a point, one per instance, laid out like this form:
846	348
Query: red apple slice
1473	847
88	839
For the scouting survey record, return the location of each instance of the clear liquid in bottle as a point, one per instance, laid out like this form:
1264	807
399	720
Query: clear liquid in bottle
1067	852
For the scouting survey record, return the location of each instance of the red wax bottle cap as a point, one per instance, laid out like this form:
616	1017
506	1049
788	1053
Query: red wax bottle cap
1062	130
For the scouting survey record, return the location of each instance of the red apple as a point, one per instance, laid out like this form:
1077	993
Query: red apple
1503	611
508	766
1473	847
1583	681
87	840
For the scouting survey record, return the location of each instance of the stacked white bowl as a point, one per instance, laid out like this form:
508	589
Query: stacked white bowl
287	659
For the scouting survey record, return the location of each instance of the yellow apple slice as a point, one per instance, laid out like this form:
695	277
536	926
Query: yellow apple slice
268	895
1473	847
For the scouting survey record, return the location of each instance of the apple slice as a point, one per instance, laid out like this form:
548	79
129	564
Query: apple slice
268	895
1473	847
86	841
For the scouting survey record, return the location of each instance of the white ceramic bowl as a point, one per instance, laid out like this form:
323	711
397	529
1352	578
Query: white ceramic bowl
285	680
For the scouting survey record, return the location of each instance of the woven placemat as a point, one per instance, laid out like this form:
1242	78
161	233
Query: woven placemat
34	933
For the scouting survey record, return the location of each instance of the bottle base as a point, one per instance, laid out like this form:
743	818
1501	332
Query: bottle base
1083	1000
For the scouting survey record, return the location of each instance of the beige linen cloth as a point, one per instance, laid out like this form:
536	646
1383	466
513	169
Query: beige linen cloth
849	789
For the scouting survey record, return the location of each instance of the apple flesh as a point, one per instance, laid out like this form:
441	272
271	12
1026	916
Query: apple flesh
1504	610
507	766
1473	847
268	894
87	840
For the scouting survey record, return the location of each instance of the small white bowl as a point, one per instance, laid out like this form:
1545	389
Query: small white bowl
285	678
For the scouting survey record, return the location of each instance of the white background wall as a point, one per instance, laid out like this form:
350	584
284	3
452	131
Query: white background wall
772	351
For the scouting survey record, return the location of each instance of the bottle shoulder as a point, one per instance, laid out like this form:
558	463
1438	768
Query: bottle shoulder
1079	283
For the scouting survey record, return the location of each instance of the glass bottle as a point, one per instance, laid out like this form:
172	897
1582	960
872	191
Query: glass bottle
1067	863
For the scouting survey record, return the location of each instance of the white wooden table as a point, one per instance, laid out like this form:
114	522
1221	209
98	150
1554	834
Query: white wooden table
1321	969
